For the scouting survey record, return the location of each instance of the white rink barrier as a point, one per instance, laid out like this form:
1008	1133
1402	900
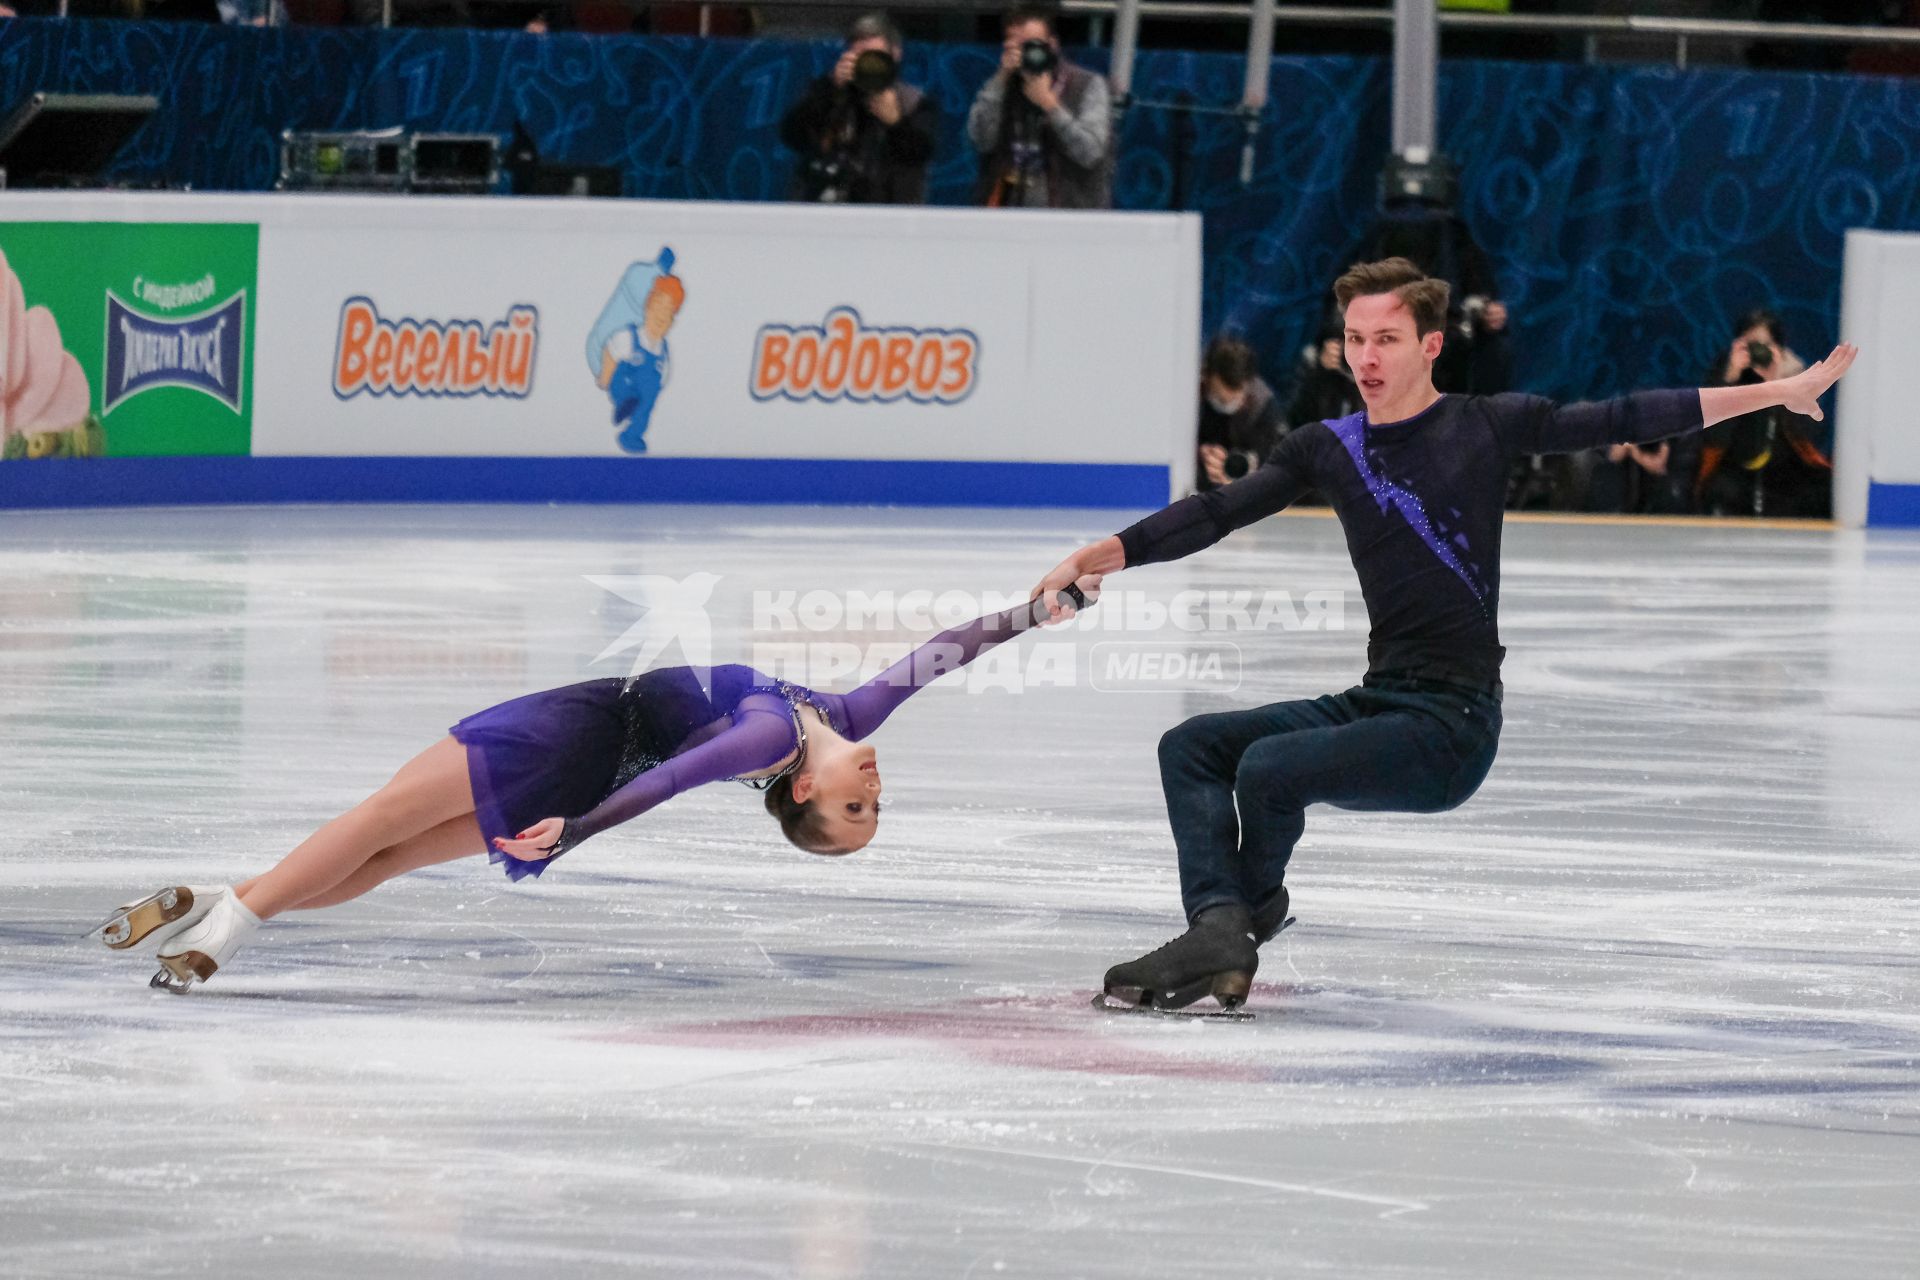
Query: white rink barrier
1876	454
338	348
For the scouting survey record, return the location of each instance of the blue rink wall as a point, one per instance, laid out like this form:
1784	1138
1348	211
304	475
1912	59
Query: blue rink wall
107	482
1894	505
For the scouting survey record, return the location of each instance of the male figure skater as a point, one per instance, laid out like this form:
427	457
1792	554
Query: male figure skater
1417	480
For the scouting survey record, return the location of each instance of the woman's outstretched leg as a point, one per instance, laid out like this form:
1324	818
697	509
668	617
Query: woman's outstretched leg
455	838
429	790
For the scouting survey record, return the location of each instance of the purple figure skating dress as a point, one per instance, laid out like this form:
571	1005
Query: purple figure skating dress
602	752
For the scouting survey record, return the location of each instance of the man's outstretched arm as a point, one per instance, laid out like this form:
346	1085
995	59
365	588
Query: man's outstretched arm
1189	525
1533	425
1799	394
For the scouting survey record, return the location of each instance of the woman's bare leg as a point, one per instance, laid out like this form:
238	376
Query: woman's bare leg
430	789
455	838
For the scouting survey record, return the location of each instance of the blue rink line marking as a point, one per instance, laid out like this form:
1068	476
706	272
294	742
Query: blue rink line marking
200	481
1893	504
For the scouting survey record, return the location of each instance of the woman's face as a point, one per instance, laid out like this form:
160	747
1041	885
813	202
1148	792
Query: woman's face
844	785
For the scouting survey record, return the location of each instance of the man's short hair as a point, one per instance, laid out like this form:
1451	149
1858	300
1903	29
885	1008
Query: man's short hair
1021	14
869	25
1760	317
1419	292
1231	361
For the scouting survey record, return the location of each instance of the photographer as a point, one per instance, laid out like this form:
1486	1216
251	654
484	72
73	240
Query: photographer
1043	127
863	137
1763	463
1240	421
1323	389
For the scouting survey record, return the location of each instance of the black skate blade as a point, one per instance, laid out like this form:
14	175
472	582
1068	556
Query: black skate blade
1286	924
1107	1004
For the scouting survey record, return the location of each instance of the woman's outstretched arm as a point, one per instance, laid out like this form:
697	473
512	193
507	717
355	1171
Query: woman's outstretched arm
949	651
755	740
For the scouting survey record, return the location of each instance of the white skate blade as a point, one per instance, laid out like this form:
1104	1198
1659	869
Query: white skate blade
165	981
188	969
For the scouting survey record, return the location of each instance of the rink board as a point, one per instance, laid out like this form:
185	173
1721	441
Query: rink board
341	348
1876	457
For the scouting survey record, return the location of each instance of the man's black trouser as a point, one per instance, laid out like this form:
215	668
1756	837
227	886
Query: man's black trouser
1238	782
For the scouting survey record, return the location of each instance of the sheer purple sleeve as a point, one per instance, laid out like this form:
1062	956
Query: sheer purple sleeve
865	708
755	740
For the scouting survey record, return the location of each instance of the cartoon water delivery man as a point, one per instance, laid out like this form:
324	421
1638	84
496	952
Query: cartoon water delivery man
633	360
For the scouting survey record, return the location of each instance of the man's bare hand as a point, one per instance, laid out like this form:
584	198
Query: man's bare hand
885	107
1060	605
1096	558
1801	393
1039	91
843	69
1213	458
1652	459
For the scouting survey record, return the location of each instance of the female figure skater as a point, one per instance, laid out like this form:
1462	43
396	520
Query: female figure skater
598	754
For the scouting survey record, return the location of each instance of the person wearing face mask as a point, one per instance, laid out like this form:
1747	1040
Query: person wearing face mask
1239	417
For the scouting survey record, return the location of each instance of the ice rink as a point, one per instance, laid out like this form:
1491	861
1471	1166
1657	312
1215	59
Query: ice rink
1645	1006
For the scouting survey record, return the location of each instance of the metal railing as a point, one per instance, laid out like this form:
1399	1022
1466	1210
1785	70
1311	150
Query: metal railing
1593	27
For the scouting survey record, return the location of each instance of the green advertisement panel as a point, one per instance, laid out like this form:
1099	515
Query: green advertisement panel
127	339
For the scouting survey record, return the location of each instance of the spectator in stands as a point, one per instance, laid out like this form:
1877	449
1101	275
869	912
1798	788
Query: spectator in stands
862	135
1765	463
1325	390
1240	420
1636	479
1043	126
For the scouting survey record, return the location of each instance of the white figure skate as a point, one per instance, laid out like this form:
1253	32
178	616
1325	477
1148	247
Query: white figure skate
196	954
167	912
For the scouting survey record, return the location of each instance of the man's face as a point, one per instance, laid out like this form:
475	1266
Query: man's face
1388	358
1223	398
859	47
1033	29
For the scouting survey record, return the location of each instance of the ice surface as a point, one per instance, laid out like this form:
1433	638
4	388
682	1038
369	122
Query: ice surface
1647	1005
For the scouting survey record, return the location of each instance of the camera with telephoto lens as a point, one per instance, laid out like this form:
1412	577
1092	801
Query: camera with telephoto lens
1237	465
1037	58
1759	355
874	71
